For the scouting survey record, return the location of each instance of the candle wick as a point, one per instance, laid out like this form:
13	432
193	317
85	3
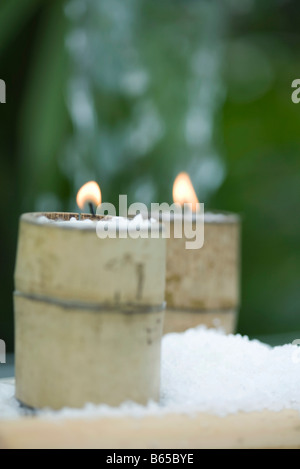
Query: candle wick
92	209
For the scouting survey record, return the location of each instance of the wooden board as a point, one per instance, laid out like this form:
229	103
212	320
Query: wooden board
245	430
255	430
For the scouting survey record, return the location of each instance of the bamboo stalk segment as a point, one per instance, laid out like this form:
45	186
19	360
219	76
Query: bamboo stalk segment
88	315
181	320
74	264
204	282
69	355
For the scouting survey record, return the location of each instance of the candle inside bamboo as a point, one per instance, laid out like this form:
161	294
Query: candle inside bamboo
88	311
202	285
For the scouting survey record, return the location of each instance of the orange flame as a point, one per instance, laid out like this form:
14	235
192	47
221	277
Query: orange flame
183	191
89	193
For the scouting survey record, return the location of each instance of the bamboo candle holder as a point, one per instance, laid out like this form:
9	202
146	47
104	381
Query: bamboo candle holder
88	314
203	286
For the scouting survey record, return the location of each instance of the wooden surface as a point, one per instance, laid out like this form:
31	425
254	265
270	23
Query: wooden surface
253	430
245	430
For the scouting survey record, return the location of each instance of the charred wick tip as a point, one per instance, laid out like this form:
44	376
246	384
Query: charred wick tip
92	209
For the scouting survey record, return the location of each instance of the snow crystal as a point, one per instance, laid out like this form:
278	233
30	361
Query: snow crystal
205	371
9	407
136	223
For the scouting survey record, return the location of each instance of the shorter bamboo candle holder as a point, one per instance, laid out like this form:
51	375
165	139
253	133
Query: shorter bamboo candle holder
203	285
88	315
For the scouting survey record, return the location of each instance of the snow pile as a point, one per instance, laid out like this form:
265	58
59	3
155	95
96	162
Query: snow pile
206	371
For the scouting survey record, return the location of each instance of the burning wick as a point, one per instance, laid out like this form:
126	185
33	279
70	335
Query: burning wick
92	209
89	194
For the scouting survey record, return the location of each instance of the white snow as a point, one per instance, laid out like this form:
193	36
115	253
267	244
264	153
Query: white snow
138	222
205	371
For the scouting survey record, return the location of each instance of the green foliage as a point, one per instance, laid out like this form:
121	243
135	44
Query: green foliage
33	123
43	121
13	16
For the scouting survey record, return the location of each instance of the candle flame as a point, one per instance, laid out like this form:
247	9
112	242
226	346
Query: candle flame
183	191
89	193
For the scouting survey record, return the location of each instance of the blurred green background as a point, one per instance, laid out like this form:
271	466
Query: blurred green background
129	93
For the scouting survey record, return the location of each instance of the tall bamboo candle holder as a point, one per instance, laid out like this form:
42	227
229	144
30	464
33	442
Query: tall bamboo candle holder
203	285
88	314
